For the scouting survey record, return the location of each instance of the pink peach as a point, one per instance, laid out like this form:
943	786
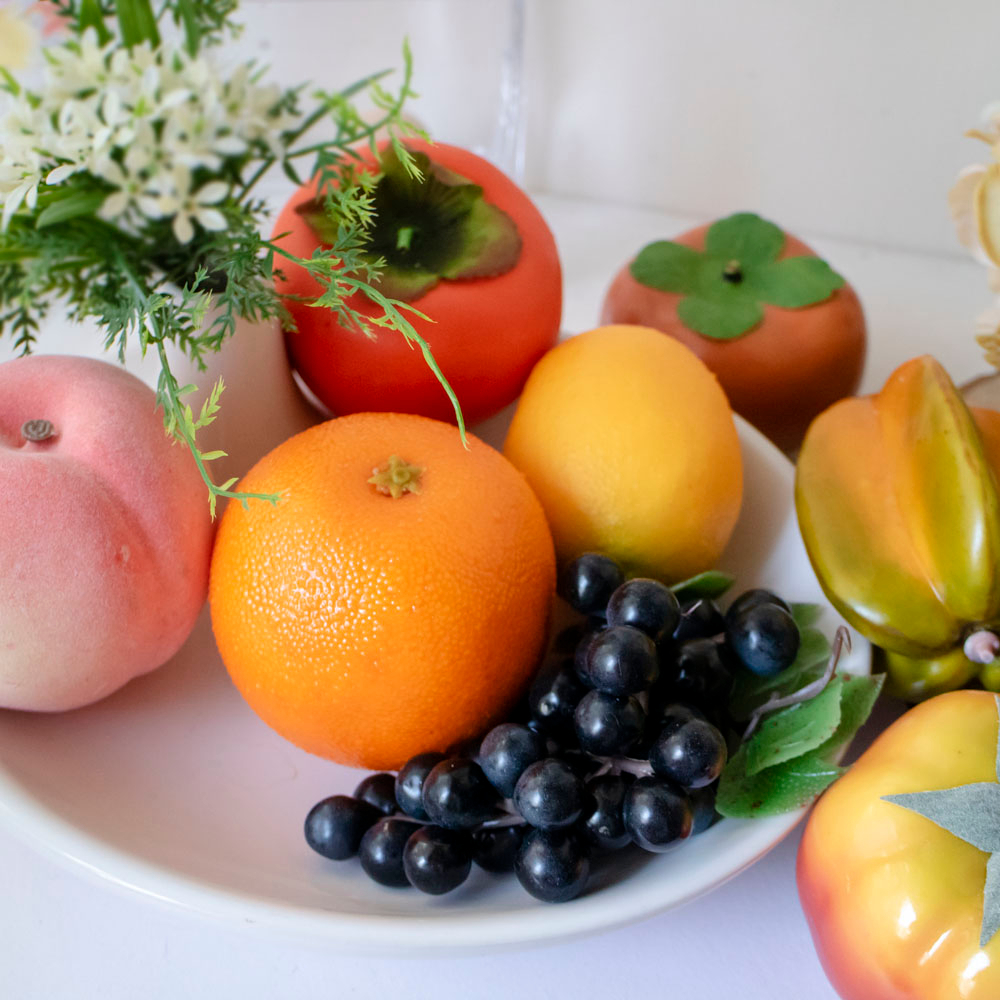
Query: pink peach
105	534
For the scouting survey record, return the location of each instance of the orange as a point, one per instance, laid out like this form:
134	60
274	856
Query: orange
629	443
366	627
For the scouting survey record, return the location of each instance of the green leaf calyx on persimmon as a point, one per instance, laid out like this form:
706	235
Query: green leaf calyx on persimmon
430	227
726	285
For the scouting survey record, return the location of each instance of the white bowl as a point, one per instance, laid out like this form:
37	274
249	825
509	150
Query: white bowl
173	788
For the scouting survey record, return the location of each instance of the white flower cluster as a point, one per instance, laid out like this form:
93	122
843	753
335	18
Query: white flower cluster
145	122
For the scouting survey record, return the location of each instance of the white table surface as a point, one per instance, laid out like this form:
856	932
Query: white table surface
66	933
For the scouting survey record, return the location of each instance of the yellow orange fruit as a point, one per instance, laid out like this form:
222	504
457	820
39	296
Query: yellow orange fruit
629	443
367	627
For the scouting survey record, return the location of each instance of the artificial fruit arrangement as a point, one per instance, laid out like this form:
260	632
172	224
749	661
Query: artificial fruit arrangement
127	198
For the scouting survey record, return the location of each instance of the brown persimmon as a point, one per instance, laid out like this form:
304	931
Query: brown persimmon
780	373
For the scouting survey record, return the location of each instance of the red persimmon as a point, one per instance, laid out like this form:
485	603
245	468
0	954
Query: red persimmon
486	331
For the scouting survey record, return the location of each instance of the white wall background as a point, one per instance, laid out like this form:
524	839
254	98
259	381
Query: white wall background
834	117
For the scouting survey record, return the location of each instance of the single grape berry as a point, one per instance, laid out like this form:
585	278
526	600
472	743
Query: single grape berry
552	865
657	814
620	660
379	790
588	581
335	826
553	698
751	599
764	638
506	751
457	794
437	860
549	794
692	754
699	674
608	726
700	619
381	850
410	784
603	820
703	808
647	605
495	848
676	714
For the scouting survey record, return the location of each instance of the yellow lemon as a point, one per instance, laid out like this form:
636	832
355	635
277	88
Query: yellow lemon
631	446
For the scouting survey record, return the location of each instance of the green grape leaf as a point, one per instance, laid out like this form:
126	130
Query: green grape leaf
795	730
710	584
857	699
806	614
790	785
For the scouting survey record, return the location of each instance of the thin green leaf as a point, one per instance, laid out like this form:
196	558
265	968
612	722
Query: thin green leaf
779	789
710	584
91	16
137	23
10	83
806	615
192	26
72	206
211	456
795	730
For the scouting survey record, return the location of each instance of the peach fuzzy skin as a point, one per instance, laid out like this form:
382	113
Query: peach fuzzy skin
106	536
779	375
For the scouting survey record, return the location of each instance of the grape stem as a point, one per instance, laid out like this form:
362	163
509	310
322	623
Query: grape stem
510	817
841	638
623	765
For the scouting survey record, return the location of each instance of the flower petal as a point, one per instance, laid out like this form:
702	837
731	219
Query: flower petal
987	206
183	229
961	203
59	174
211	193
114	205
211	219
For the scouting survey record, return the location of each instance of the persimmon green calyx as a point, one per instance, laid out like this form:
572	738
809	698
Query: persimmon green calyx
726	285
427	227
395	477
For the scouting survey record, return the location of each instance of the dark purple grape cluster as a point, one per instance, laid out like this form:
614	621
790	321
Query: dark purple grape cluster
621	742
